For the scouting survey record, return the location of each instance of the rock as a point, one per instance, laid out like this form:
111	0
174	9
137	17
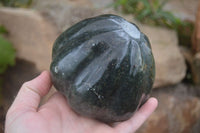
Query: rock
178	112
184	9
86	3
170	64
31	35
65	15
101	3
101	68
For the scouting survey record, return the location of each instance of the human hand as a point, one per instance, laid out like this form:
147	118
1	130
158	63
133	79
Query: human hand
55	116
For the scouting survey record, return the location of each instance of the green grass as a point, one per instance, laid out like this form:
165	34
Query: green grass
7	52
150	11
16	3
7	55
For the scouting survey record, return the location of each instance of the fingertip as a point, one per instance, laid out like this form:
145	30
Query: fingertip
139	117
150	105
42	83
153	102
153	99
45	75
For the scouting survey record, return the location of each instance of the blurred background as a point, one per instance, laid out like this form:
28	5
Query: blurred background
28	29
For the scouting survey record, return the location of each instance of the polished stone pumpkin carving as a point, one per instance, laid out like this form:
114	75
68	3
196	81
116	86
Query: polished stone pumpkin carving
104	66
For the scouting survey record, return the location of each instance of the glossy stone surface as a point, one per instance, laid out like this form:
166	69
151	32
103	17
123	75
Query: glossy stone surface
104	66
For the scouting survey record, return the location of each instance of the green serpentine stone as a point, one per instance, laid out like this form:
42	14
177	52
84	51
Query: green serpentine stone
104	66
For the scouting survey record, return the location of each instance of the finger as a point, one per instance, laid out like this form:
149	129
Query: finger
31	92
138	118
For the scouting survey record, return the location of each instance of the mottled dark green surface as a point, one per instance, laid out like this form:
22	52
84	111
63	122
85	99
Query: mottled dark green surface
104	66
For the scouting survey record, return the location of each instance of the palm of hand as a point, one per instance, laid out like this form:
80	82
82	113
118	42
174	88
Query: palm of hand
24	116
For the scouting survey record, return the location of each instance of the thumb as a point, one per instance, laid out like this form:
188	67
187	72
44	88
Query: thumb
31	92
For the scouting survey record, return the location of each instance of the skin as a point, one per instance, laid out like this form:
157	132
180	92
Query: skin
55	116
